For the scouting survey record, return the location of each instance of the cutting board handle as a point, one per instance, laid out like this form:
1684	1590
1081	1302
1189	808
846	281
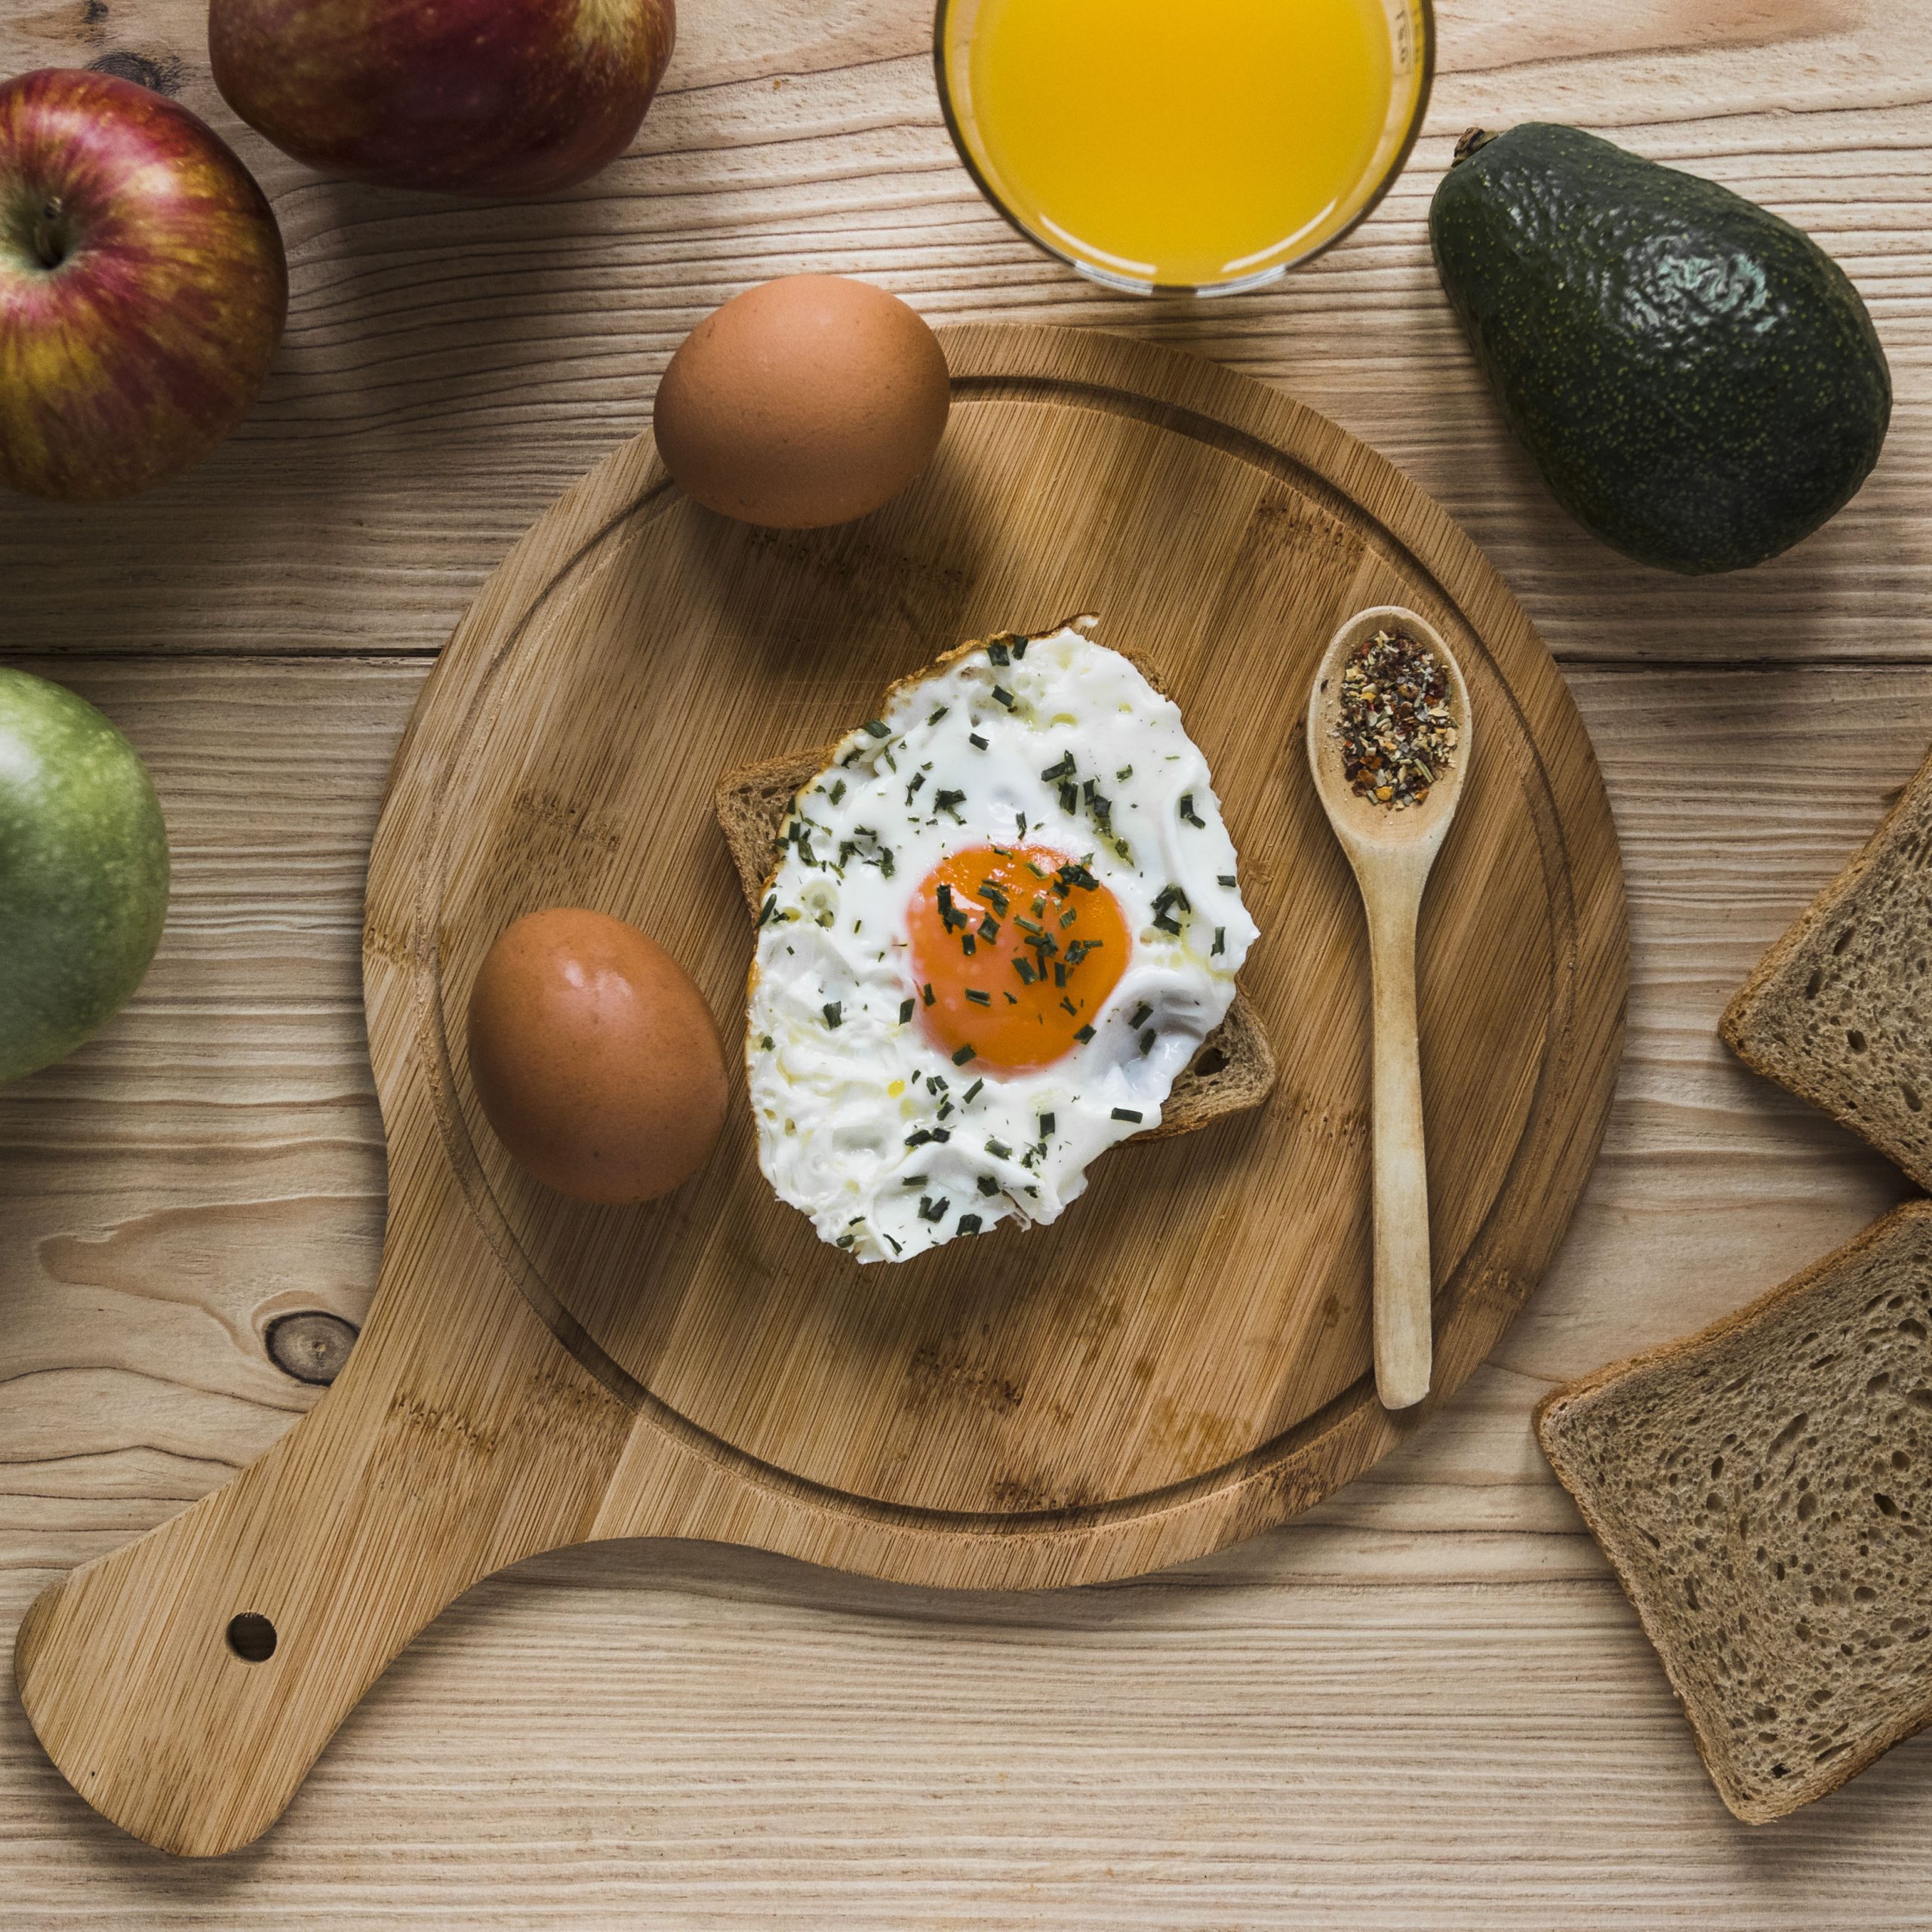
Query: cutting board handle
186	1684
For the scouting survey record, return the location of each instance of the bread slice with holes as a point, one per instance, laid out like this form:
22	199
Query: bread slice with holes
1840	1010
1234	1069
1763	1490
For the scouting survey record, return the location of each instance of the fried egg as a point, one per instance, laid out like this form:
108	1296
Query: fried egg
1007	916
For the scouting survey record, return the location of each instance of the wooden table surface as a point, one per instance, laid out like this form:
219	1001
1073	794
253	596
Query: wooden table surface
1426	1705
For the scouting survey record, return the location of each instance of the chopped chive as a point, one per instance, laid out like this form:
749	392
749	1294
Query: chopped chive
978	998
1126	1113
949	801
1083	1034
838	791
1065	769
1019	645
1059	972
938	711
967	1099
1124	774
926	992
832	1016
844	1241
1147	1042
996	653
1220	941
771	907
915	1181
1067	918
1141	1014
1226	878
1035	869
878	728
895	1246
1187	812
904	1010
766	1042
965	1053
990	929
944	1108
967	944
973	738
990	891
1070	796
1025	968
1002	696
919	1138
1073	1011
988	1184
918	778
931	1210
943	1132
970	1224
999	1150
1046	1125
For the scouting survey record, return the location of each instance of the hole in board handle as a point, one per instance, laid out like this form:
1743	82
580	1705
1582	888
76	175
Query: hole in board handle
251	1637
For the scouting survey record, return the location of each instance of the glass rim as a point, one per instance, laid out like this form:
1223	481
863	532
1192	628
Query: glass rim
943	11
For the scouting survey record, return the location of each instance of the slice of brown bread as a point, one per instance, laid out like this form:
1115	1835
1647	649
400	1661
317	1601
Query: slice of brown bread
1764	1492
1234	1069
1840	1010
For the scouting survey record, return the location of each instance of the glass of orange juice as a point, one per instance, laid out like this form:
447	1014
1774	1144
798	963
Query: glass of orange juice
1197	146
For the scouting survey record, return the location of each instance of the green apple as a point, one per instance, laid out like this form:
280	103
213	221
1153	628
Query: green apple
83	872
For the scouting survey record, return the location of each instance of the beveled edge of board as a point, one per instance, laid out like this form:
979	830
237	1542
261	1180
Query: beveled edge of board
1277	1479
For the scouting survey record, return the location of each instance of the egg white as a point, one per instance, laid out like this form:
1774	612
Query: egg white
864	1123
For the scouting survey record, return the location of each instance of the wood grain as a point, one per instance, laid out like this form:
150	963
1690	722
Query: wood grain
765	1737
1424	1704
1181	1362
443	354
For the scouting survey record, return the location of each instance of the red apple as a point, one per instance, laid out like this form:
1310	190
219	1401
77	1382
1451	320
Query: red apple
142	286
473	96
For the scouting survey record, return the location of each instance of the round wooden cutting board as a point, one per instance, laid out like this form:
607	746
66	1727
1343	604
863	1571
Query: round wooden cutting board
1183	1359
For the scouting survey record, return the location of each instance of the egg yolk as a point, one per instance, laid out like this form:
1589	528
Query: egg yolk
1014	950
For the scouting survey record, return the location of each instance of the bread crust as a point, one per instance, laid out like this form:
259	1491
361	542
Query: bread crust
1753	1807
1733	1028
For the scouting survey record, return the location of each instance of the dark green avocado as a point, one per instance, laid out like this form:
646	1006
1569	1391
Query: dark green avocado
1697	379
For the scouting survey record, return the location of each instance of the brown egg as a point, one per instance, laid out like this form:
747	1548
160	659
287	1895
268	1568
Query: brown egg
595	1057
809	400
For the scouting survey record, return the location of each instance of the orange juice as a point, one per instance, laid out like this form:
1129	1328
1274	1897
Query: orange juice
1196	143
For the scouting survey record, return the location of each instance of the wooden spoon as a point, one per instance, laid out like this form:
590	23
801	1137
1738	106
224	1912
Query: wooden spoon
1391	851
